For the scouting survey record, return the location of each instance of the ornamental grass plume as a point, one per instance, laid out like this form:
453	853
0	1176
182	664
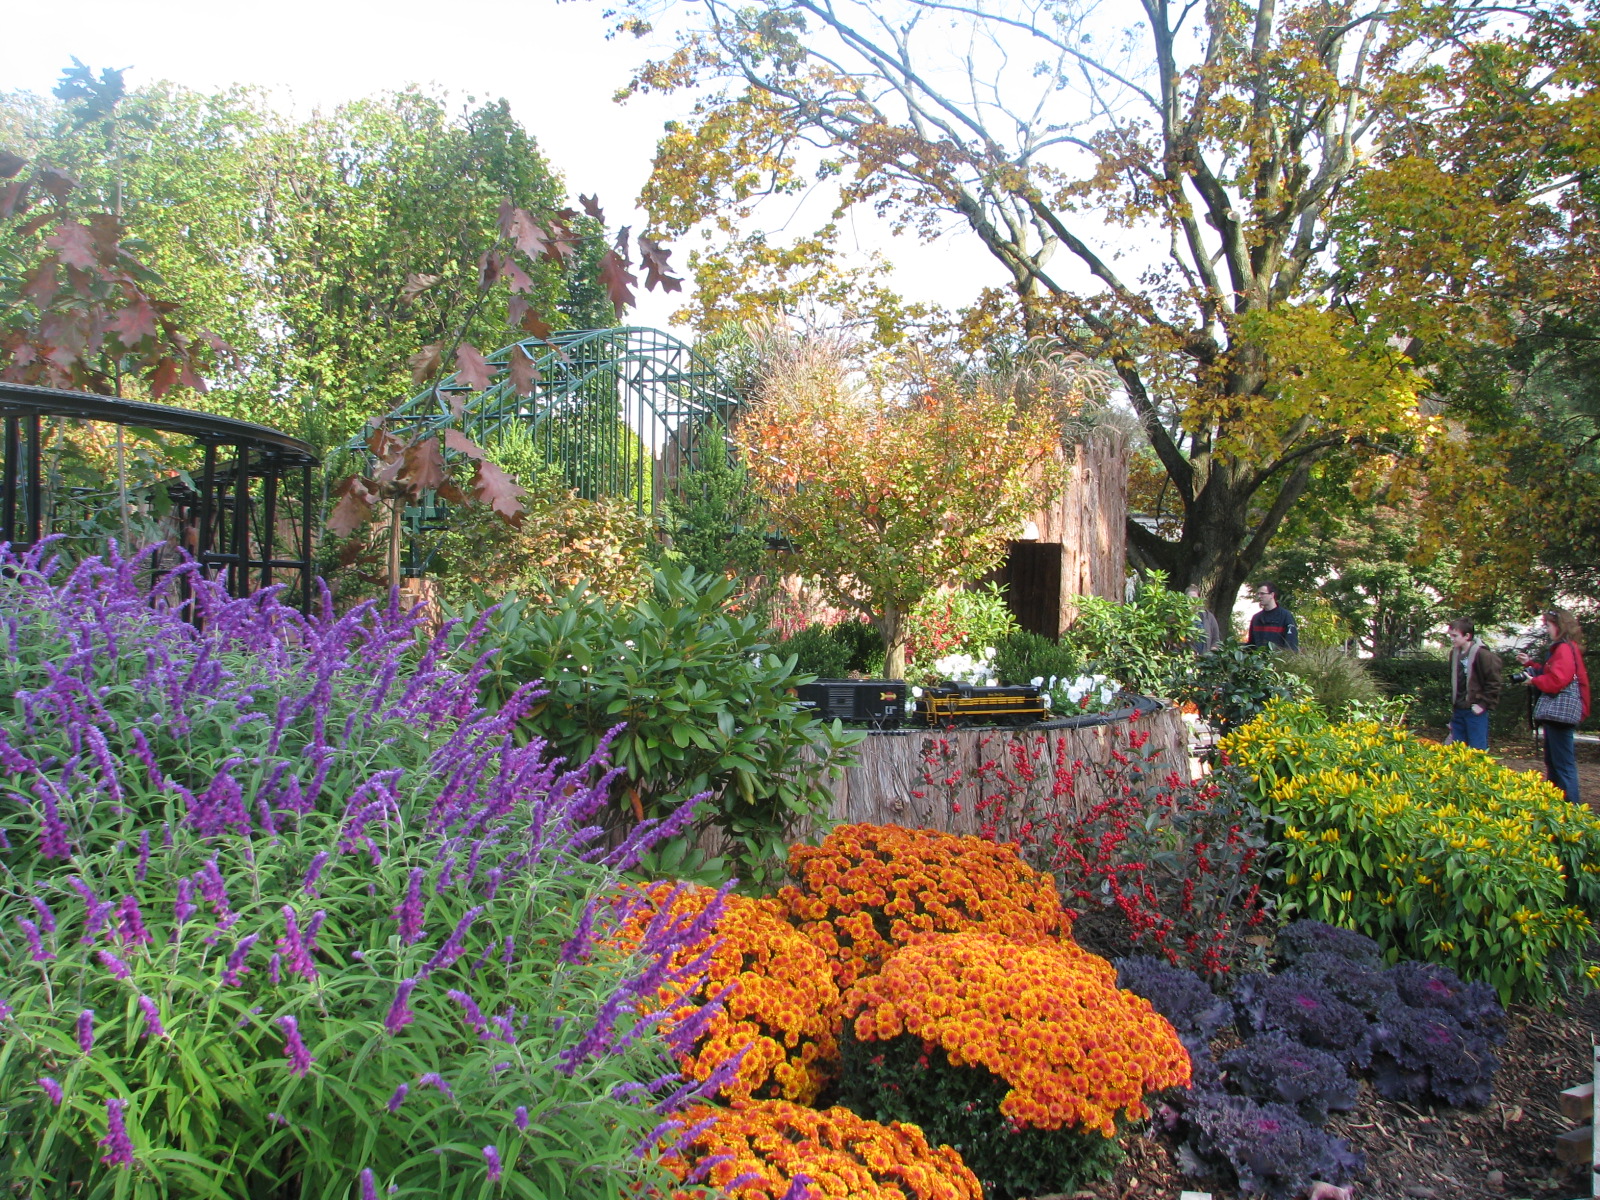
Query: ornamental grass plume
1048	1019
771	1148
777	1002
265	758
868	889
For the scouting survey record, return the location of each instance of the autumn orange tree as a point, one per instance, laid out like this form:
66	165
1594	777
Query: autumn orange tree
885	498
1159	189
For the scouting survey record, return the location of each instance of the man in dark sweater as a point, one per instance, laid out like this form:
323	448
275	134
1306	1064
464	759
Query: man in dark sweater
1274	625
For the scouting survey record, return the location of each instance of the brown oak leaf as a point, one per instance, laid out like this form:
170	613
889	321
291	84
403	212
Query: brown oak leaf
591	205
416	284
472	368
618	280
524	372
10	164
499	491
354	509
424	466
657	272
424	363
460	443
134	323
75	245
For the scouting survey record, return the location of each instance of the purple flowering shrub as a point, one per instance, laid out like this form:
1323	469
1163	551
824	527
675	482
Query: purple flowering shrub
1275	1068
287	916
1298	939
1306	1010
1270	1147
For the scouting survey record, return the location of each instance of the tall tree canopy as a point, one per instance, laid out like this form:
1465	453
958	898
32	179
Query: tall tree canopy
1161	186
328	252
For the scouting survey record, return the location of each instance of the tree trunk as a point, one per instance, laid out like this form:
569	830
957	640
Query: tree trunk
892	627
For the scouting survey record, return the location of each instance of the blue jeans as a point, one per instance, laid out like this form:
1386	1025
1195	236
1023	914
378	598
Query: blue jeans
1560	759
1470	727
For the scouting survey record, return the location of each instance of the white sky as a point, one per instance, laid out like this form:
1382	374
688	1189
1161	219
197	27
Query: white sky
550	61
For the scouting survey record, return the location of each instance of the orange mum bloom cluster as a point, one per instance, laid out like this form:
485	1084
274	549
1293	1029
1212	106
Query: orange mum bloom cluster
846	1157
778	996
868	889
1046	1018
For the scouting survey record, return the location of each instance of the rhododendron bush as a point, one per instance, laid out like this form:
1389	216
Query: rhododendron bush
286	915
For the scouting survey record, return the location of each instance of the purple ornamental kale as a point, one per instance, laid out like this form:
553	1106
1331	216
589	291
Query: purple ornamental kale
1418	1052
1430	986
1272	1067
1271	1149
1307	1011
1300	938
1364	987
1179	995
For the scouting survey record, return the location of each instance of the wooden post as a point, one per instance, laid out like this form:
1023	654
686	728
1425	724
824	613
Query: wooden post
1594	1121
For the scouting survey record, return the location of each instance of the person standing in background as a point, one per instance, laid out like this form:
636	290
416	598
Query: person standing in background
1474	685
1274	625
1207	633
1563	683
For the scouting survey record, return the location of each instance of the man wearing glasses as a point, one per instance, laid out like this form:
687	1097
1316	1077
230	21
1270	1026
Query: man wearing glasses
1274	625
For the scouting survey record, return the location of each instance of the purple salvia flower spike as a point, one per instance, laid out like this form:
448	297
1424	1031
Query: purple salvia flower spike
119	1147
86	1031
144	856
112	963
309	884
152	1018
51	1088
454	945
522	1117
36	948
410	912
491	1156
47	919
434	1079
131	922
399	1097
183	907
400	1014
369	1187
235	969
294	1049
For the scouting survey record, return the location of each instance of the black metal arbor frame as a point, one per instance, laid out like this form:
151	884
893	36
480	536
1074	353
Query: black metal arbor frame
221	539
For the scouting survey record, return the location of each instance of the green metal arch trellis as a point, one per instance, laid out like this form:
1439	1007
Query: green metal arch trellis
619	411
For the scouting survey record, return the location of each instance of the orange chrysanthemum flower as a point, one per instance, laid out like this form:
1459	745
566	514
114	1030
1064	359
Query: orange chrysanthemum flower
1047	1018
779	999
868	889
846	1157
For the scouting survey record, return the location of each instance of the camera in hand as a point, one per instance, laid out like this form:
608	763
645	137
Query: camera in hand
1517	677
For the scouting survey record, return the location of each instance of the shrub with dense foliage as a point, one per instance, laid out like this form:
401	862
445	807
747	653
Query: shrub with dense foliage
1437	852
867	890
962	621
777	1003
1023	1057
774	1150
1146	644
702	698
288	915
1233	683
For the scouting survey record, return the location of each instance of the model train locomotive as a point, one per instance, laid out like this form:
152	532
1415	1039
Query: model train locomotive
883	703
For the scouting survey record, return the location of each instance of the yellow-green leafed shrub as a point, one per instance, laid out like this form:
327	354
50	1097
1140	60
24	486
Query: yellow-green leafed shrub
1436	851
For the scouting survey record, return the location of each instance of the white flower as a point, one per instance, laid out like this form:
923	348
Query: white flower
916	693
1044	699
1037	681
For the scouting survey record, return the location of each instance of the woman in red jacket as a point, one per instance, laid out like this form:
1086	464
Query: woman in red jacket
1563	684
